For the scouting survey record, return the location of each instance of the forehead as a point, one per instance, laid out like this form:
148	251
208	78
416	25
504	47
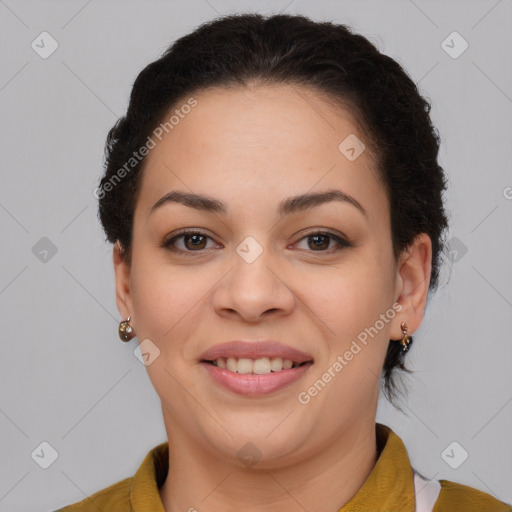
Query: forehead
260	143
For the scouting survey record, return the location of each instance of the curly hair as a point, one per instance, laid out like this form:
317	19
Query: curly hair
246	49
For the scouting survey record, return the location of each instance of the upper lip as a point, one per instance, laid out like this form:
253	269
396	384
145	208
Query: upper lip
255	350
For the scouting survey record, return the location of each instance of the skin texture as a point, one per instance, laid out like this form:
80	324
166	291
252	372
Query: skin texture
251	148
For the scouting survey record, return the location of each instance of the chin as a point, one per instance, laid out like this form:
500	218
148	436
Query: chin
254	448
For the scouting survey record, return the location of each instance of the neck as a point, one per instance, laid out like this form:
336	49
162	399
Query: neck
197	480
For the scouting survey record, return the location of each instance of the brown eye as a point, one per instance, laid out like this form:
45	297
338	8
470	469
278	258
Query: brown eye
321	241
191	241
195	241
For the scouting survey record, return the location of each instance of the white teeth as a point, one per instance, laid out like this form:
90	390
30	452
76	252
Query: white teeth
287	364
276	364
231	364
260	366
244	365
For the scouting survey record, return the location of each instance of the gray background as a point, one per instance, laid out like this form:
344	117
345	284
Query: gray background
67	379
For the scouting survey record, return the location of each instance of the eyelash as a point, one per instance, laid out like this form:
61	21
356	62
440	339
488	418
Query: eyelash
168	244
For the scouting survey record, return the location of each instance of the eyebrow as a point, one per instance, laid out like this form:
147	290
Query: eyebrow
286	207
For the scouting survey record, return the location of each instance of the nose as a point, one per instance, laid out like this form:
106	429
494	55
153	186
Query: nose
254	290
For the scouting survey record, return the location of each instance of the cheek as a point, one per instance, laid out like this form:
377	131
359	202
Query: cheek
352	295
360	296
166	299
356	350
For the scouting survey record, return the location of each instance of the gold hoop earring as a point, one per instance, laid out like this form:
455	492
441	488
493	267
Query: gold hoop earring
126	330
406	340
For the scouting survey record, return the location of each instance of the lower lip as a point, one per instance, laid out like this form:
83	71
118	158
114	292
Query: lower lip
255	385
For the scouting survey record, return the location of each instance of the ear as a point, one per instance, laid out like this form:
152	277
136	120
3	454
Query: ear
123	282
412	282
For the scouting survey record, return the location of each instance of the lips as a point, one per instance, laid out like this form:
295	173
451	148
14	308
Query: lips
255	368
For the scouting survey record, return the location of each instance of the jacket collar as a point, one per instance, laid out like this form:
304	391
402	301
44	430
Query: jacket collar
390	485
150	476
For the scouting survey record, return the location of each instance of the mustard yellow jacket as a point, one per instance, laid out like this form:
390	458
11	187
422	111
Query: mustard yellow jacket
390	487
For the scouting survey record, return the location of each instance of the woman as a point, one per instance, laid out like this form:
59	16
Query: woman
275	203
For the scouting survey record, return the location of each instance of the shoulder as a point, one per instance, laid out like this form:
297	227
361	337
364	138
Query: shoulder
455	497
115	498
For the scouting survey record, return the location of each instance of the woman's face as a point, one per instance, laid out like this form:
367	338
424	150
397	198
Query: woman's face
263	269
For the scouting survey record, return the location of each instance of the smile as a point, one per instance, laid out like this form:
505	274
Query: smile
260	366
255	377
